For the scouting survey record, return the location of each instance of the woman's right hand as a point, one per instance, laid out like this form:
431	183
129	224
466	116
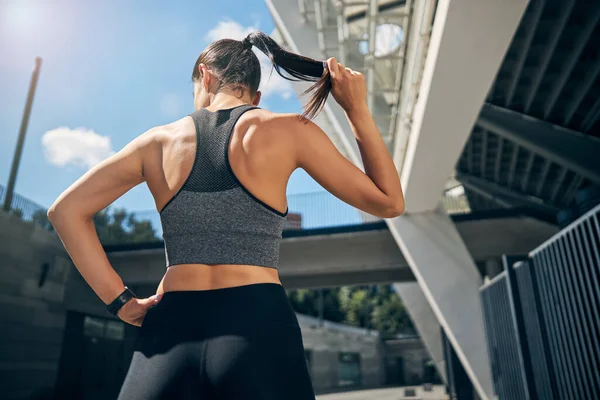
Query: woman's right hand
134	311
348	87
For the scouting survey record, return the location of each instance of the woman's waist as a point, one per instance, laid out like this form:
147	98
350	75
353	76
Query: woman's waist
219	276
234	309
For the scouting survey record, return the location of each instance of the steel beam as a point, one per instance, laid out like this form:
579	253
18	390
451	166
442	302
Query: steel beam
579	44
484	148
498	158
531	29
542	177
527	173
570	149
370	58
513	165
549	51
504	195
467	46
592	117
584	87
558	184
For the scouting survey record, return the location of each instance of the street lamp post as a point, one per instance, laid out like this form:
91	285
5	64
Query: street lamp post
19	149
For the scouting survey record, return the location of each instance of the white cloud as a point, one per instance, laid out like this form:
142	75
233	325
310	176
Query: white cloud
271	83
170	105
80	146
229	30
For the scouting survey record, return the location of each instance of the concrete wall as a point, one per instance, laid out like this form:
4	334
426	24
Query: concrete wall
32	317
414	355
327	342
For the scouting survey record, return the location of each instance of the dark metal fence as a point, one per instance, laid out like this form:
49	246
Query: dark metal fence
541	377
505	356
542	318
26	209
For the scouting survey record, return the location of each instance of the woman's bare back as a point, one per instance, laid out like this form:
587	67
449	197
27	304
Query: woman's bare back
262	158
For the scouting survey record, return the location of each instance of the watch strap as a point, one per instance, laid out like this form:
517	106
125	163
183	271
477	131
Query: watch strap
120	301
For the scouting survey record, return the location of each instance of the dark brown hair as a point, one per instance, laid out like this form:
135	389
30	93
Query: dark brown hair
237	67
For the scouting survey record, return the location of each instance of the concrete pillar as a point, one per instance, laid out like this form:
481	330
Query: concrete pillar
450	282
468	42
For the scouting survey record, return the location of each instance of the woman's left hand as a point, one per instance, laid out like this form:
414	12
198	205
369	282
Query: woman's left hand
134	311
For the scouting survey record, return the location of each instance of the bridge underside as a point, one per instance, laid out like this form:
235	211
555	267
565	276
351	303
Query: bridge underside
465	50
369	255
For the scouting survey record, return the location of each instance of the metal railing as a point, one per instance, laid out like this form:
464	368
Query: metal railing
26	209
542	318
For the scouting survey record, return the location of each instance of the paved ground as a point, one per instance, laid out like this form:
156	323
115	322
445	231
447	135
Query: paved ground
387	394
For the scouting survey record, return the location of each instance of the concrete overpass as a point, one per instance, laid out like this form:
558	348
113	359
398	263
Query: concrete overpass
357	254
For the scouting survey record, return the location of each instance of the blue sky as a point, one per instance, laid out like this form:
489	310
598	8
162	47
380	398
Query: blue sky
111	70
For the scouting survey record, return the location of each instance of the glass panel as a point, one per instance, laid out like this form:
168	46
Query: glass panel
93	326
115	330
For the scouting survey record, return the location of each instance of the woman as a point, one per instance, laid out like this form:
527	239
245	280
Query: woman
220	325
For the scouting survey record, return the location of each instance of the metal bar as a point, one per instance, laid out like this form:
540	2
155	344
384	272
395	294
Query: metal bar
418	34
549	51
498	158
541	264
548	140
579	44
532	26
559	310
558	184
575	335
521	349
484	148
10	187
592	117
583	90
389	58
501	194
470	156
341	34
570	192
302	10
400	14
355	3
319	24
527	174
401	68
369	60
513	165
386	90
542	178
585	303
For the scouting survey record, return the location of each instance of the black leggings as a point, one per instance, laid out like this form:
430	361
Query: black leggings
233	343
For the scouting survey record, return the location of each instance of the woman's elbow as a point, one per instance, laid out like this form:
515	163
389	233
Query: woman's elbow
55	213
52	213
394	210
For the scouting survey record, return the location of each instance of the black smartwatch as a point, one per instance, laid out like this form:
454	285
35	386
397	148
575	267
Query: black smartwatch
120	301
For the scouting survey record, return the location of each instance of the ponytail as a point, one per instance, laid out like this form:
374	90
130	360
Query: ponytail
295	67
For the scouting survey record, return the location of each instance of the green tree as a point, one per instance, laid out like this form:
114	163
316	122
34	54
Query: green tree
376	307
119	227
40	218
390	317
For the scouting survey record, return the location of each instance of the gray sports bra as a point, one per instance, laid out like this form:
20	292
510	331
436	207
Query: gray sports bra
213	218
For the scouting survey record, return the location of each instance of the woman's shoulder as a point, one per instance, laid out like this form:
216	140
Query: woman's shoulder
276	120
169	131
